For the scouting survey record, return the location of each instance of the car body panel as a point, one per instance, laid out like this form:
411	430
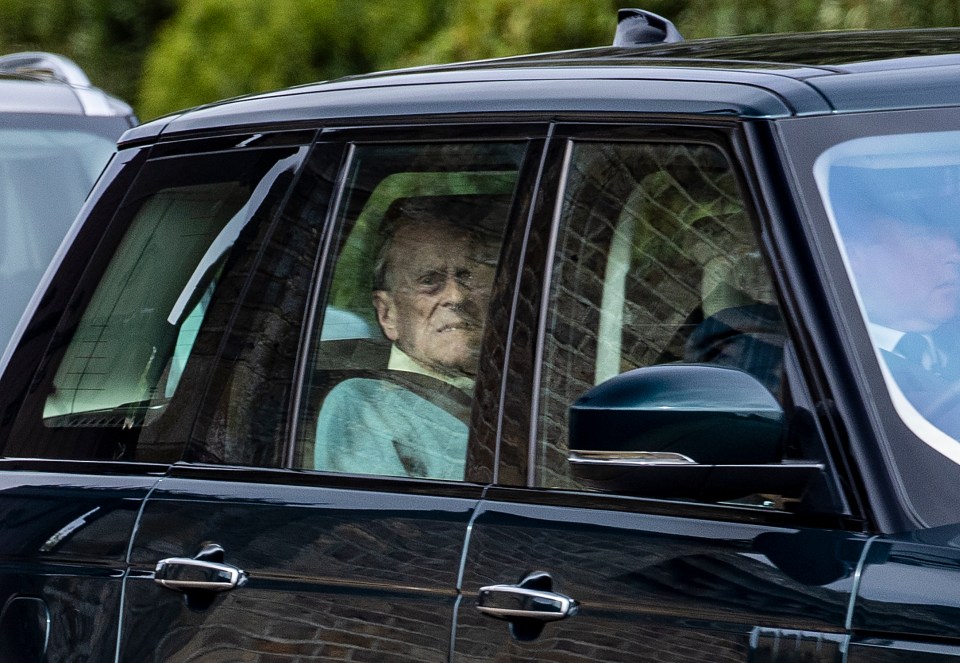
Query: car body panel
22	96
926	87
655	587
784	66
907	607
63	557
531	96
321	562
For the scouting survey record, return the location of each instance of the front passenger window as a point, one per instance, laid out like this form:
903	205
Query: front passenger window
656	263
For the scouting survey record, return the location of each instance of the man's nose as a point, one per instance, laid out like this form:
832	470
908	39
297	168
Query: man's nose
454	290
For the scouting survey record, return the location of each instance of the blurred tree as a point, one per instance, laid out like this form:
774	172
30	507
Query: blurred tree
107	38
214	49
495	28
709	18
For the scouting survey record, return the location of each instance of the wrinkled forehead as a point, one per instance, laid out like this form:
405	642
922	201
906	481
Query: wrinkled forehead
426	247
443	234
429	237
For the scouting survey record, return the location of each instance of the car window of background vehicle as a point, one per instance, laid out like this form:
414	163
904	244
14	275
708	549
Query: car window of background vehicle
45	175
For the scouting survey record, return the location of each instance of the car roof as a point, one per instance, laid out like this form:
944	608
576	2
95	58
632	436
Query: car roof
766	76
46	83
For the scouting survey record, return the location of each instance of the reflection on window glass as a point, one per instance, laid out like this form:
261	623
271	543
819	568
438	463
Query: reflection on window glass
393	370
656	262
895	203
130	348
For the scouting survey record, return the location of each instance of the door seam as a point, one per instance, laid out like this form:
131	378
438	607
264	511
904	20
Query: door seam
126	564
855	586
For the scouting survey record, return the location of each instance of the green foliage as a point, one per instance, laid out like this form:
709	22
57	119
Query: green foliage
214	49
709	18
108	38
495	28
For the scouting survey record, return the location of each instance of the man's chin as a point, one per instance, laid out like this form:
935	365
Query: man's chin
463	367
453	365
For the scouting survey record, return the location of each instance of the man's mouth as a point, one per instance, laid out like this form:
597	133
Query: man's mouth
456	326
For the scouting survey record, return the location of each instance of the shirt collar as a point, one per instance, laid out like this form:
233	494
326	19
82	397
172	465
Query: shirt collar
884	338
401	361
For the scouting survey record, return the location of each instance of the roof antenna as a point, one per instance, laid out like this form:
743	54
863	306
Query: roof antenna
638	27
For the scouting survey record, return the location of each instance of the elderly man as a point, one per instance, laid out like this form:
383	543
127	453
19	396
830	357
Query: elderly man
431	289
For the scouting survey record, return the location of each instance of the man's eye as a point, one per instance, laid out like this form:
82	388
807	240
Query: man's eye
430	281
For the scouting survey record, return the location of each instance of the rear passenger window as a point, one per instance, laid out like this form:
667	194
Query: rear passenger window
656	262
130	359
390	374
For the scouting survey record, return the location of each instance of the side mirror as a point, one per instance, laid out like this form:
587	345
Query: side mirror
696	431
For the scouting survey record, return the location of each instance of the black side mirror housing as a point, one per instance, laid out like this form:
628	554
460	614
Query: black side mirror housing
696	431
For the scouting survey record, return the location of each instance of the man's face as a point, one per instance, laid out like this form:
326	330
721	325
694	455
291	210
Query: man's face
908	275
438	287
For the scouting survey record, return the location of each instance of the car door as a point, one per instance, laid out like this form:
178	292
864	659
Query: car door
66	529
608	536
906	606
271	540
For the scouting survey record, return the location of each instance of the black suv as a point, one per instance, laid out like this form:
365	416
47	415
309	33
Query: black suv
597	355
57	133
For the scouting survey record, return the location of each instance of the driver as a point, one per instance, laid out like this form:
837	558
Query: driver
907	271
431	287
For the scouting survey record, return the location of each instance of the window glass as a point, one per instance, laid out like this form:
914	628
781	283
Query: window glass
117	368
655	263
893	201
124	354
34	162
389	385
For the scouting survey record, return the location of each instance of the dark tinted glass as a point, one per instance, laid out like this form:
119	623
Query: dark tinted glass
656	263
131	357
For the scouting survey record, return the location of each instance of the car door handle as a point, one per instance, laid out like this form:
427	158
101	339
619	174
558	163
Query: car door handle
188	574
512	602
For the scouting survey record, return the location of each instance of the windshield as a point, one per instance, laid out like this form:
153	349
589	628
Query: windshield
894	202
45	175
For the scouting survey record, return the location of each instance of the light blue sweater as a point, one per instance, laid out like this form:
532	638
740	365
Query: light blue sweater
369	426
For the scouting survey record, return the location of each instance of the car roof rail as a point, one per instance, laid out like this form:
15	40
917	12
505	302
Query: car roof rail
39	64
44	66
638	27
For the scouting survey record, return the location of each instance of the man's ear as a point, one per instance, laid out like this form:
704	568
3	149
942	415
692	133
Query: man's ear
386	313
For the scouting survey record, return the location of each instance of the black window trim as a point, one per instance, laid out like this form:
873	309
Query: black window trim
348	138
861	408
